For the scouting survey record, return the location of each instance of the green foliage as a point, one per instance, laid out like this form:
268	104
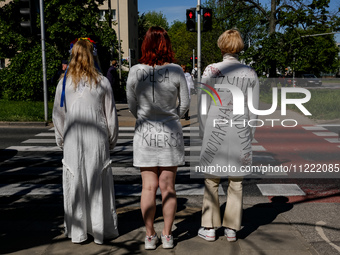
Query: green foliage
154	18
64	21
275	34
323	105
183	42
22	80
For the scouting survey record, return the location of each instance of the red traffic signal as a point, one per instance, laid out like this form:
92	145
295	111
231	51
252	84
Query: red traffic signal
207	15
207	19
191	19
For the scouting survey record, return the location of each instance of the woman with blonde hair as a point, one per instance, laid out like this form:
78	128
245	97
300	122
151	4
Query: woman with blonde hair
86	128
232	137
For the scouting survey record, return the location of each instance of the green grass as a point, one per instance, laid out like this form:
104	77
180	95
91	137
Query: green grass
24	111
323	105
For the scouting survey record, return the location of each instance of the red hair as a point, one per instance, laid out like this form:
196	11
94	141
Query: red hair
156	47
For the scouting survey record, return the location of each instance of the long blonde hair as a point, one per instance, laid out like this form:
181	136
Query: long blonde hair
82	64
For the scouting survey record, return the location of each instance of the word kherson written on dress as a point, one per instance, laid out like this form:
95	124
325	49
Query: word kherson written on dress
158	134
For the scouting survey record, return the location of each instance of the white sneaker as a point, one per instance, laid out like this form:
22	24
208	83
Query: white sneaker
168	241
150	242
207	234
230	234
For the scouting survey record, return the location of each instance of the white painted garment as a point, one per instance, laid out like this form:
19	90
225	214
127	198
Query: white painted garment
227	139
86	128
158	98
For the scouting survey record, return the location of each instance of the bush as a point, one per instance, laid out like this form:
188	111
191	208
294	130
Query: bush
23	78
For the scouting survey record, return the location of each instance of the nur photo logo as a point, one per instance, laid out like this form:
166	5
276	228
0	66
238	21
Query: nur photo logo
240	100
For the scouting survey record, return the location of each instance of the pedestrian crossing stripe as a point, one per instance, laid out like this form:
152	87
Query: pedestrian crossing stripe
119	148
280	190
45	134
34	148
314	128
325	134
192	189
333	140
39	141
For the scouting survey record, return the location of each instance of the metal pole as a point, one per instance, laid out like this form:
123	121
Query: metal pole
43	51
193	58
198	9
119	46
110	12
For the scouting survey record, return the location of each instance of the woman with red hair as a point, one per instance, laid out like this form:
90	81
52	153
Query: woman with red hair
158	97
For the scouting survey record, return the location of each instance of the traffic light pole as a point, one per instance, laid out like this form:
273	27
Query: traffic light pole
43	53
198	9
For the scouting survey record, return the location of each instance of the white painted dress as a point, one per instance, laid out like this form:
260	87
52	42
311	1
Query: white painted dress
227	140
86	128
158	97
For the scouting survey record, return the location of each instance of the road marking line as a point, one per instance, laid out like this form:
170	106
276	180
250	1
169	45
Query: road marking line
34	148
333	140
29	189
319	229
325	133
40	141
280	190
45	134
314	128
329	125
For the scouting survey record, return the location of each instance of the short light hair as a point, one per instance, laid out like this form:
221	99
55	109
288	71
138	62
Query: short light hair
230	42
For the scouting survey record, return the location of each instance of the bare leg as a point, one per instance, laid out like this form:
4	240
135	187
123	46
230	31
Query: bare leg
169	201
148	197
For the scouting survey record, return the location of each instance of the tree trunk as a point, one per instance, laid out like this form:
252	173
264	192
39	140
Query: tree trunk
272	24
272	19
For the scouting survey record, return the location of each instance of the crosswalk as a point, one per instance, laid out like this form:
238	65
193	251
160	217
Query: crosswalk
321	131
44	161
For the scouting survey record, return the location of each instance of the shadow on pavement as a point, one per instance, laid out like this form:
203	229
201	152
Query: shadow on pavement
29	222
262	214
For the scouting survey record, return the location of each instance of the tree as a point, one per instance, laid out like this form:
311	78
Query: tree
64	21
183	42
283	17
154	18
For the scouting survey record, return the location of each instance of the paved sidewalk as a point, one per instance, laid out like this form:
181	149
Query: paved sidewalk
33	225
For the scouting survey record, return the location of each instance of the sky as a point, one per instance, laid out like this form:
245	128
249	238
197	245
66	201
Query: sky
175	9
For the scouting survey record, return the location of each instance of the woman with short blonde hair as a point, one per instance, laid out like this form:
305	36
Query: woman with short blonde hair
234	141
230	42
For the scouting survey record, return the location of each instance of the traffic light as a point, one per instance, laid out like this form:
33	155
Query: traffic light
207	19
28	13
191	20
195	58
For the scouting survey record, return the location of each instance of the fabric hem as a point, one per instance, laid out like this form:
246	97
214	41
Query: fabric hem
159	165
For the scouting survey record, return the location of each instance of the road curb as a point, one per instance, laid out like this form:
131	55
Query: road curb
18	123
